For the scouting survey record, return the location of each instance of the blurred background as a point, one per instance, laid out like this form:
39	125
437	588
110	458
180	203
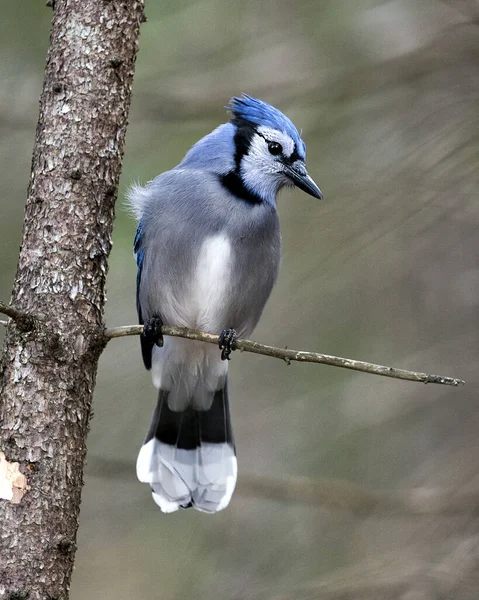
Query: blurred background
385	269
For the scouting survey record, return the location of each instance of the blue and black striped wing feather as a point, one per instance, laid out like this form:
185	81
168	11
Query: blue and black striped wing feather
139	255
146	345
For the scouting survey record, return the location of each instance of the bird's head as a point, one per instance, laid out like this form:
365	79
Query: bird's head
269	152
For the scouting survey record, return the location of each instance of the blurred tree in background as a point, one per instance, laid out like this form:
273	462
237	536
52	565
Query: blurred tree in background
385	269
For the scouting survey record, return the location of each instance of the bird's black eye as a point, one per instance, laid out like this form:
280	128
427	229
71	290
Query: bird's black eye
275	148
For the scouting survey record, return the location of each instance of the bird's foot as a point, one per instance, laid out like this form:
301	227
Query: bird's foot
152	331
226	343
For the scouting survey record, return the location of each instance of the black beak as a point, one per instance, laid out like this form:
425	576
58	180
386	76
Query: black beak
299	176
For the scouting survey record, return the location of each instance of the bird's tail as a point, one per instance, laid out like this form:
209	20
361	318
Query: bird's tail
188	457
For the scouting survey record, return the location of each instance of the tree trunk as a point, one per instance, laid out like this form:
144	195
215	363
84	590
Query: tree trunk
48	372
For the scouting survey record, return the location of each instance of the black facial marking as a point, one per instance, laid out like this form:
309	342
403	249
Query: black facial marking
295	156
234	184
245	131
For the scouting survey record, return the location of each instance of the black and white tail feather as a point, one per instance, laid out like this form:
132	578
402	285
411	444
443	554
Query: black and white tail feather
188	456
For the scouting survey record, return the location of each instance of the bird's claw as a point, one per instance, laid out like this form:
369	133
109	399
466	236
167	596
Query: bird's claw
152	331
226	343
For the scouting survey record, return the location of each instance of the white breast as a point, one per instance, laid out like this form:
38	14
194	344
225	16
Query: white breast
205	302
211	285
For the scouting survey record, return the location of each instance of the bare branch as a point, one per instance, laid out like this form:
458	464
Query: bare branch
296	355
24	321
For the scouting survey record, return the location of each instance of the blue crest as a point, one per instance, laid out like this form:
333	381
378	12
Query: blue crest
261	113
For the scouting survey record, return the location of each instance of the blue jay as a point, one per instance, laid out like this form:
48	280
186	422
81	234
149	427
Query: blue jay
208	250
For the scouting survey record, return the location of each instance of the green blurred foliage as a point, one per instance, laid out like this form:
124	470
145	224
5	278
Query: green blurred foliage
384	269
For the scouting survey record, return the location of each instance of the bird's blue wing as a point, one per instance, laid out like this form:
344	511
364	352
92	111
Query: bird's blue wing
139	255
146	345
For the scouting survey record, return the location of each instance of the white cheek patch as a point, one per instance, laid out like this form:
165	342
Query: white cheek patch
260	171
258	155
273	135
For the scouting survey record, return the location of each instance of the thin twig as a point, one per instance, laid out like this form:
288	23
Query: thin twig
24	321
289	355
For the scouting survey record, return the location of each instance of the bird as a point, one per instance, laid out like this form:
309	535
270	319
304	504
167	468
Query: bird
208	250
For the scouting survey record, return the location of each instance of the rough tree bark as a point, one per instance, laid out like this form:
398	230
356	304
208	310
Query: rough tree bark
49	366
